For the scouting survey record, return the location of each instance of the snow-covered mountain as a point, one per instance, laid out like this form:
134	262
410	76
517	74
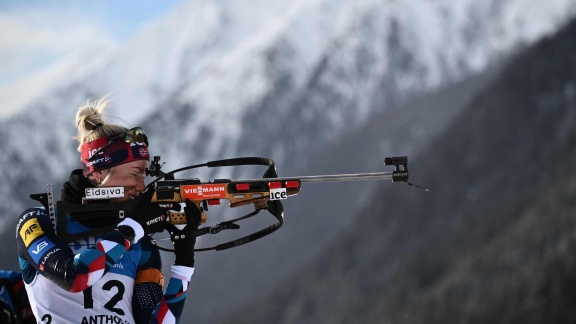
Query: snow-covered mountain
219	79
251	65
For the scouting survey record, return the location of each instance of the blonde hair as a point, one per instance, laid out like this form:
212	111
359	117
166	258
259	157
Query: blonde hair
91	124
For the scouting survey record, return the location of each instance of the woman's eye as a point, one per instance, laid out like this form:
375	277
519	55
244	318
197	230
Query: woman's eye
139	175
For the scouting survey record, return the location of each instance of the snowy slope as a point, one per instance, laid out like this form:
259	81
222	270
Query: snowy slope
444	38
325	65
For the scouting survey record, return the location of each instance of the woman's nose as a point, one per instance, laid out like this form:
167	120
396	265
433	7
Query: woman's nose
140	186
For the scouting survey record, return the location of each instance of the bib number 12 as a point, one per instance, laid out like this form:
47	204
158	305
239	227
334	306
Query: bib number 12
110	305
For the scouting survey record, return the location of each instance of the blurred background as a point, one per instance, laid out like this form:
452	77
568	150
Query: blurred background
481	96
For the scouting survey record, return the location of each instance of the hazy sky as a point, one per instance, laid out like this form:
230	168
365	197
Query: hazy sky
35	34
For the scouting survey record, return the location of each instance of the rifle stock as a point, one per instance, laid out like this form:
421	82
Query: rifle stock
238	193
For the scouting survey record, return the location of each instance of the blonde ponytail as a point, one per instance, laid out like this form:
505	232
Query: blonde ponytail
91	124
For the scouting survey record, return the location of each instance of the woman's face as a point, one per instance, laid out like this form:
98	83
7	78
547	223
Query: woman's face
130	176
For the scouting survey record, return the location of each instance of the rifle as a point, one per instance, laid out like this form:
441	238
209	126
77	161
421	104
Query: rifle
264	193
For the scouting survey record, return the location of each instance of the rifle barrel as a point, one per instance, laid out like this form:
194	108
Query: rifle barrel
331	178
347	177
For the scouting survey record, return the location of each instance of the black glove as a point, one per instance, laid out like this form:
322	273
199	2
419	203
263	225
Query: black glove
150	215
184	239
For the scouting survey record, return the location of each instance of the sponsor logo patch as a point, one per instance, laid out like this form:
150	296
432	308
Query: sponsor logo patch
38	248
277	194
155	220
104	193
30	231
46	258
204	191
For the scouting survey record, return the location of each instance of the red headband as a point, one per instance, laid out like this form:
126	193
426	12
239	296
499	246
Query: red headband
119	152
